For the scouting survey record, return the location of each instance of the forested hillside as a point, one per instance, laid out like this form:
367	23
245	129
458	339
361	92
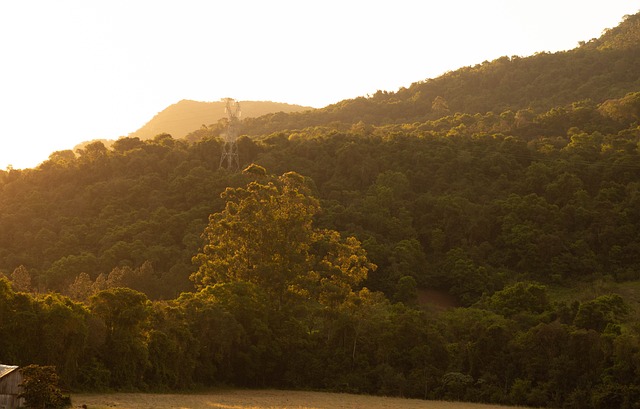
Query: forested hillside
517	195
145	266
598	70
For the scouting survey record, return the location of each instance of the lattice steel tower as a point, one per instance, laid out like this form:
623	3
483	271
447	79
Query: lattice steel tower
229	158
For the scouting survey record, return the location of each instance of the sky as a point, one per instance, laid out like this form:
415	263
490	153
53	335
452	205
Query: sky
78	70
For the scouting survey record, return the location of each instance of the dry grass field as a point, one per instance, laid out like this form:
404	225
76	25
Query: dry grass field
259	399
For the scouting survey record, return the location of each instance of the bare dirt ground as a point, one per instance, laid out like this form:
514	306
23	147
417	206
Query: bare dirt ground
439	300
259	399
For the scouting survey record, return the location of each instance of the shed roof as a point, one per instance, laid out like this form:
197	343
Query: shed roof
6	369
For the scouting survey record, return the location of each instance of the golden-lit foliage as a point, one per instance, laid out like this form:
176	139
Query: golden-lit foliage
525	215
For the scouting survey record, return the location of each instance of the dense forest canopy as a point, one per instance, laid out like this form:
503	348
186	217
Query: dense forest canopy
144	266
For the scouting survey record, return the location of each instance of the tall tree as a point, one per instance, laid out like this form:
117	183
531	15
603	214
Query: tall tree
21	279
123	315
266	236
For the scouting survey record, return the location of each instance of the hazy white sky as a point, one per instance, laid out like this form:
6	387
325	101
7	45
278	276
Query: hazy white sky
76	70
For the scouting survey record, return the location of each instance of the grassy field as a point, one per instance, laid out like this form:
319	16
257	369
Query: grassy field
259	399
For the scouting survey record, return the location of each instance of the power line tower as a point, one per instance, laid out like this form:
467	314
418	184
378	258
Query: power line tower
229	158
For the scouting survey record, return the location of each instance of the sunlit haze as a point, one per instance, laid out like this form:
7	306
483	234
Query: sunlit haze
77	70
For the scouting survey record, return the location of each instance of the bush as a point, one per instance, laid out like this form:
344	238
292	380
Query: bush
40	388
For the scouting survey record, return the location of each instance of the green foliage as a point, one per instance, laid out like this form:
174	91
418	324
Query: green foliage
601	313
518	298
519	181
40	388
599	70
464	209
265	236
122	316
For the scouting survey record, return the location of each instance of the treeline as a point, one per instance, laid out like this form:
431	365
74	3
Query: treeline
118	279
280	303
598	69
459	204
143	266
514	348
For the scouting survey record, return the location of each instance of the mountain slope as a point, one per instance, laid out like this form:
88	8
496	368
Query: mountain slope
185	116
626	35
542	81
599	70
531	219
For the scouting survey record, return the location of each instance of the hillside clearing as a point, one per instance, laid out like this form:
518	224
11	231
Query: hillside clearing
260	399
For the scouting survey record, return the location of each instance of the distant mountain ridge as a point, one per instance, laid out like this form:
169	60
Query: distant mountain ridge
598	69
185	116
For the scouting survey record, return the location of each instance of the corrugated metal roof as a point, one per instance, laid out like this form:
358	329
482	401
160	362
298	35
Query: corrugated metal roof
6	369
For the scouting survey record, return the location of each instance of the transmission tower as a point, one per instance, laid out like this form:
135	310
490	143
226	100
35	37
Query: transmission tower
229	158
